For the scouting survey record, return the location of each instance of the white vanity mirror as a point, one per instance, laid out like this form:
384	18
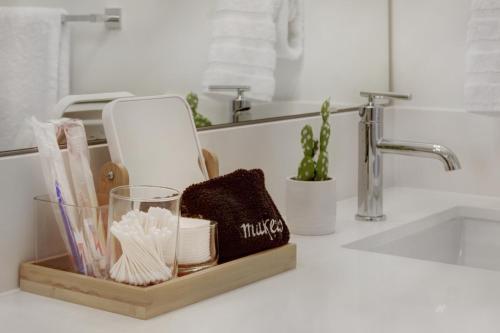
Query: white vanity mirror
155	47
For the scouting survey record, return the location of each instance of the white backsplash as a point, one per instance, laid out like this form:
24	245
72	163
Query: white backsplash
474	138
275	148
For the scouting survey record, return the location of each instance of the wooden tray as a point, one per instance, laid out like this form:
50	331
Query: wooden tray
53	278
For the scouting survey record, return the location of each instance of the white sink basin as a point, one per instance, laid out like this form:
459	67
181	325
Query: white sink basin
460	236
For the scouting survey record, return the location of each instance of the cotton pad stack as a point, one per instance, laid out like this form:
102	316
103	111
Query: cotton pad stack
194	241
147	242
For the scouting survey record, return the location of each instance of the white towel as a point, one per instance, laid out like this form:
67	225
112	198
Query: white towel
289	18
34	70
243	51
482	80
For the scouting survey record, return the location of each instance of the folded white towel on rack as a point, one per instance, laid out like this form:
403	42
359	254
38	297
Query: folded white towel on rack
243	51
247	38
34	70
482	65
485	4
289	18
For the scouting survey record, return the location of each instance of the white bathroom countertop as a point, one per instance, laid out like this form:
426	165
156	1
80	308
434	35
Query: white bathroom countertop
332	289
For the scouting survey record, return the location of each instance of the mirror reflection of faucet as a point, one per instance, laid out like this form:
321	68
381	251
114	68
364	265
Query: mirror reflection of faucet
239	103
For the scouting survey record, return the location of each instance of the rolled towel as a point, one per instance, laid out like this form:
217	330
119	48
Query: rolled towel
483	98
483	28
482	65
289	20
34	70
242	50
485	4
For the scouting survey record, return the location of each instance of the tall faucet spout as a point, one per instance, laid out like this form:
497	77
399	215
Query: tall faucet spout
420	149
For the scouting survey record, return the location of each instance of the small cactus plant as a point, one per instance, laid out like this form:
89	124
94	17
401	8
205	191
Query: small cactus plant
309	169
199	120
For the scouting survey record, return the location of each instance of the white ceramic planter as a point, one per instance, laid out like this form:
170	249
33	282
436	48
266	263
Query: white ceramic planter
311	207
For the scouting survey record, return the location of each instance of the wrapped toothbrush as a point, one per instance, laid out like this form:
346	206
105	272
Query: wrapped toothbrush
59	190
85	194
77	213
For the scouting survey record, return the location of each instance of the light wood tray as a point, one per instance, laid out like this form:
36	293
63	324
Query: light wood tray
53	278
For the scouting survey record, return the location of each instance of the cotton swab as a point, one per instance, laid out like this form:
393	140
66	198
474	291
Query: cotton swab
146	241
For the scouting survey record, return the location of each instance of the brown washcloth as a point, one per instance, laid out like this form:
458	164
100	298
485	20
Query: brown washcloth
247	218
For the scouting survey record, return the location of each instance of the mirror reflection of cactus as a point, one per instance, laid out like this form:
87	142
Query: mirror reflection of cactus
309	169
199	119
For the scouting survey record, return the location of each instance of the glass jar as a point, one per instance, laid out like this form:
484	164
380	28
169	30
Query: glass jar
142	234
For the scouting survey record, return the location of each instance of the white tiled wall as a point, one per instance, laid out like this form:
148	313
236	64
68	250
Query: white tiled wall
428	51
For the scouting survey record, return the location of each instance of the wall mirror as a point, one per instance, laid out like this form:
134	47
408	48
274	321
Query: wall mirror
163	47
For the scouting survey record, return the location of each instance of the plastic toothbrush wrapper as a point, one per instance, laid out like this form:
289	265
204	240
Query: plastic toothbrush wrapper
59	189
148	243
85	193
78	216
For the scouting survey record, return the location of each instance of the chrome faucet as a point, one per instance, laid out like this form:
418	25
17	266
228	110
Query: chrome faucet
239	103
372	146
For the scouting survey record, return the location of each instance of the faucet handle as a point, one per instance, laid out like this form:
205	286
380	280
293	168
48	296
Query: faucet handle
239	103
374	95
239	89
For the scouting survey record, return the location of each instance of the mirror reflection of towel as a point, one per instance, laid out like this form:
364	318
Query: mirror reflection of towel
242	51
289	18
34	70
247	218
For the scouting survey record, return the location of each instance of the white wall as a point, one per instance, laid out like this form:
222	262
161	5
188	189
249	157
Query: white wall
163	47
475	139
428	55
428	51
346	51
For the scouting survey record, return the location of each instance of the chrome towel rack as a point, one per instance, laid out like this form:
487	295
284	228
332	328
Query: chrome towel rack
112	18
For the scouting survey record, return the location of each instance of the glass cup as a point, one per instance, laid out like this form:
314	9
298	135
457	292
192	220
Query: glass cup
142	234
197	248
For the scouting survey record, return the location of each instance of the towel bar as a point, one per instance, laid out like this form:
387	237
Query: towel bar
112	18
